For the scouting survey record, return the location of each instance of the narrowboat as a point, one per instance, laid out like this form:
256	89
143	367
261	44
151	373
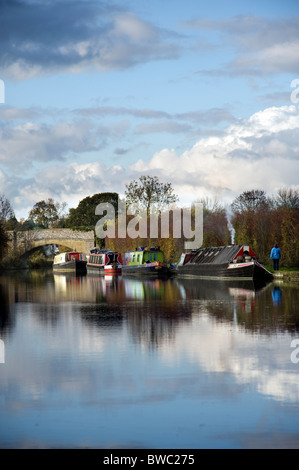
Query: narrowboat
230	262
72	261
145	261
101	262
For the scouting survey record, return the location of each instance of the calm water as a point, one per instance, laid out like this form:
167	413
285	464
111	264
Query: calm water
124	363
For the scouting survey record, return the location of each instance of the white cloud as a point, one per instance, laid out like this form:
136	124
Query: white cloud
69	183
39	39
29	142
261	152
277	58
262	45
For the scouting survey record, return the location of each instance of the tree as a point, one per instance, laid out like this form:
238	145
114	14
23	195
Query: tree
149	194
46	213
6	210
84	215
250	200
252	220
287	198
215	223
3	239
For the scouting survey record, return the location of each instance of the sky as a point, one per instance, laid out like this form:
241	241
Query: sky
96	93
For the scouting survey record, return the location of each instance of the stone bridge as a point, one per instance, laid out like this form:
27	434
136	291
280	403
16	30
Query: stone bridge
26	241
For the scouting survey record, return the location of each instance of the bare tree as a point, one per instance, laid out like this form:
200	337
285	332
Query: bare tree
150	194
250	200
288	198
6	210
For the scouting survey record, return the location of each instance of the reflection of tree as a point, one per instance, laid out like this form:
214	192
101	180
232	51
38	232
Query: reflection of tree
5	318
152	323
102	315
229	302
152	308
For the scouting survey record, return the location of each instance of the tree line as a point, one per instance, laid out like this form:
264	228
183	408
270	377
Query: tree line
253	218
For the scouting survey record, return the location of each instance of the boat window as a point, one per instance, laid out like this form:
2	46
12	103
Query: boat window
137	258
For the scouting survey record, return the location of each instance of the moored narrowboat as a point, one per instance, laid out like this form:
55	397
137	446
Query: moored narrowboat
102	262
224	262
145	261
72	261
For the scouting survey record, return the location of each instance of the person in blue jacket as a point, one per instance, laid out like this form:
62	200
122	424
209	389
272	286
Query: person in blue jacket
275	256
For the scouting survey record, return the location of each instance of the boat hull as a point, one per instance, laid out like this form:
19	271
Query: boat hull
233	271
146	270
112	269
75	266
94	269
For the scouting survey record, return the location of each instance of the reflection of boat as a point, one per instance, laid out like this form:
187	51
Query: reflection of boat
122	289
110	269
145	261
73	261
104	262
224	262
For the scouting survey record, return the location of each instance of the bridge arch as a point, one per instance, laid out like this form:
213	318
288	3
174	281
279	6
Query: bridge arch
26	241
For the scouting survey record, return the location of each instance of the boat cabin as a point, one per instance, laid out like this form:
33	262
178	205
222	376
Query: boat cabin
103	258
186	257
69	256
222	255
143	255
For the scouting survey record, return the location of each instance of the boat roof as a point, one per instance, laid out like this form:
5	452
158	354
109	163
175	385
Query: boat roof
216	254
145	248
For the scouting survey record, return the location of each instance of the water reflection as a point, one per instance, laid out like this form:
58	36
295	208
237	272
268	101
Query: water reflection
276	295
244	303
105	355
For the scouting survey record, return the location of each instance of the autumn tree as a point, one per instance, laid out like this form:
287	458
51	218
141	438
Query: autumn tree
3	239
252	220
149	194
286	224
215	225
46	213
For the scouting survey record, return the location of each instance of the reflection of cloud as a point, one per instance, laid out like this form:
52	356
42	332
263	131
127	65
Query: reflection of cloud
252	360
77	347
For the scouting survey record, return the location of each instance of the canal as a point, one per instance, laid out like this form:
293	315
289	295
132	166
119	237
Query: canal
109	363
